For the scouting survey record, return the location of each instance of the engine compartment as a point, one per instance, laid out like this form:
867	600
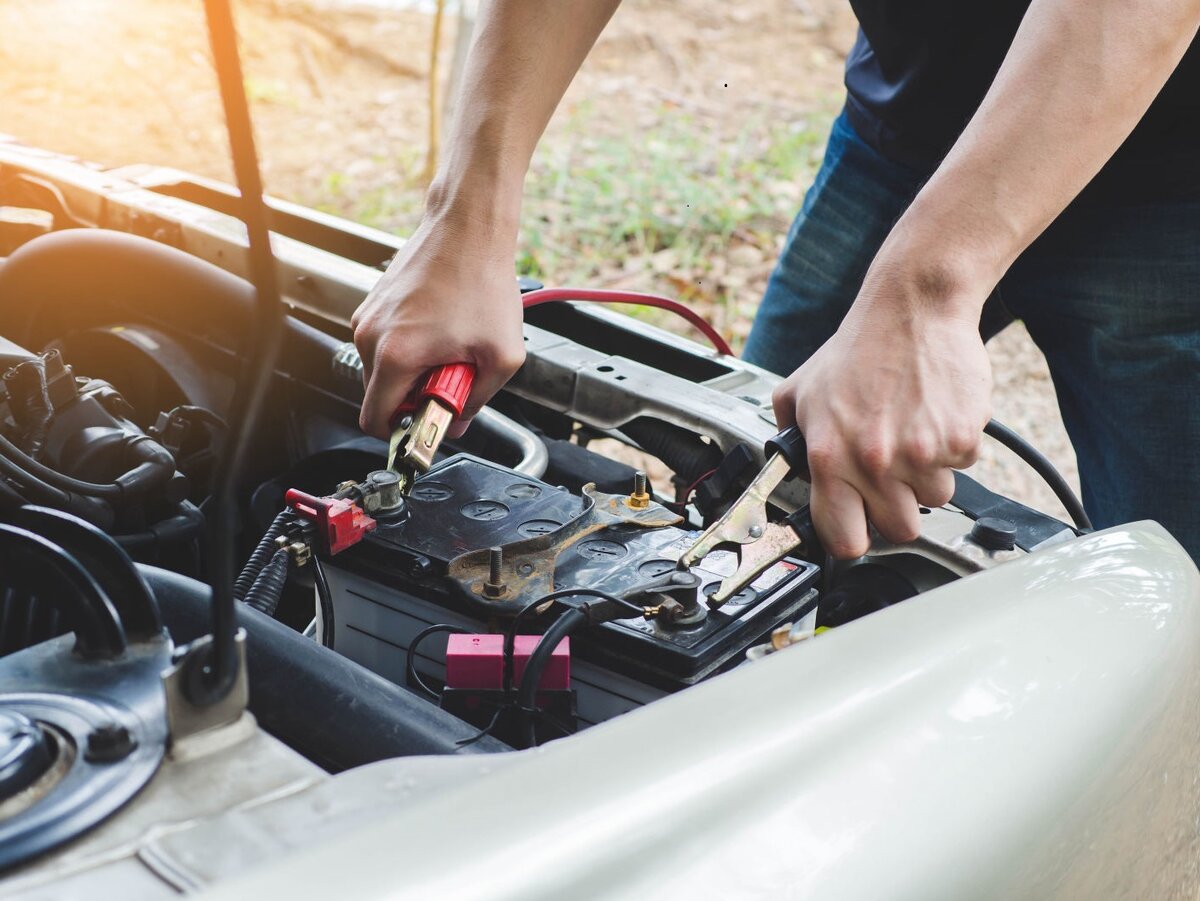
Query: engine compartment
121	357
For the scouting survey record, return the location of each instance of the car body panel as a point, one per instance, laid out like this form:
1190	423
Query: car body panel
1029	732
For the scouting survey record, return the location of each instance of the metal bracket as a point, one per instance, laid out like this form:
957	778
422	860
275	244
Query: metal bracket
185	718
527	567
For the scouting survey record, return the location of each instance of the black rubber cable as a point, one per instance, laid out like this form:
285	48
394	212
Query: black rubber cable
325	599
411	676
1039	463
63	482
267	589
44	492
566	625
262	554
510	636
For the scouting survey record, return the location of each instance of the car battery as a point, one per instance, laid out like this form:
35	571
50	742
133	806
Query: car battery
396	582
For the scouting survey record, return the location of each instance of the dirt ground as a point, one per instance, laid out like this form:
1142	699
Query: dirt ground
341	91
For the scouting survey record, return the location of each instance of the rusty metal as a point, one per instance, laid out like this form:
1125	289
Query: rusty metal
526	567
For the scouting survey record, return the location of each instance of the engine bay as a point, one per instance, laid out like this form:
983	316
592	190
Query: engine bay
121	355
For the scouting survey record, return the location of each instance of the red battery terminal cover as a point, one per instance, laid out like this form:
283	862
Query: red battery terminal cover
477	662
339	523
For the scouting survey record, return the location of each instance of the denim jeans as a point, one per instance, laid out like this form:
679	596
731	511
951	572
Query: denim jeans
1110	293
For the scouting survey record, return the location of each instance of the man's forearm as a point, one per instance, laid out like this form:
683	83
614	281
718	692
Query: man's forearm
1079	76
523	58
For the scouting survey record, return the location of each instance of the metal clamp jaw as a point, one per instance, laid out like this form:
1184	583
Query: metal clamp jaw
420	423
758	541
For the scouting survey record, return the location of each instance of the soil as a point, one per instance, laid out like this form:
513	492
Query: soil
342	89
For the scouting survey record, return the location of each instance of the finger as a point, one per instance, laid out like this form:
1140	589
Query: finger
933	488
390	384
839	518
893	511
490	377
783	400
366	354
459	426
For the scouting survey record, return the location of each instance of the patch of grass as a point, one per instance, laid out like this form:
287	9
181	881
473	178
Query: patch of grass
677	210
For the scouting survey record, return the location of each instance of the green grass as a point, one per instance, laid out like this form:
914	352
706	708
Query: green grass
660	211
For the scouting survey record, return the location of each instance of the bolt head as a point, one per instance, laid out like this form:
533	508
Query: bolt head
109	743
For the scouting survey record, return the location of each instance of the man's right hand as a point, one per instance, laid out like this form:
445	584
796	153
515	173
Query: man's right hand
449	296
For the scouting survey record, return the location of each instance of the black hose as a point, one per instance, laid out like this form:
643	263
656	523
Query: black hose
261	554
155	468
1040	464
267	589
567	624
184	525
259	353
41	492
685	452
37	565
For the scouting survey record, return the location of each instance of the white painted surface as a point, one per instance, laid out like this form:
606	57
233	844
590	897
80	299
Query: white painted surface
1029	732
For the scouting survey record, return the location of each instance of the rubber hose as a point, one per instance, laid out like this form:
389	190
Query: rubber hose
684	452
267	589
156	468
261	555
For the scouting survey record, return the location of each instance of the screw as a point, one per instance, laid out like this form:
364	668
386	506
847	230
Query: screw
756	531
109	743
640	498
495	587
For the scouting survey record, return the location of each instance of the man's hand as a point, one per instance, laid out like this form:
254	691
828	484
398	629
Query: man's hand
901	393
450	296
446	298
895	400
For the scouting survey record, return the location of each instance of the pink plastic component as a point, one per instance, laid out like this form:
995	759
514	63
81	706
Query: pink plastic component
477	661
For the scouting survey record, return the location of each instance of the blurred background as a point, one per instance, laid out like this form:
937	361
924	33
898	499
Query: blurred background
674	165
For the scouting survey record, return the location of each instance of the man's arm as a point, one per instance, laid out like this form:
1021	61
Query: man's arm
902	391
450	295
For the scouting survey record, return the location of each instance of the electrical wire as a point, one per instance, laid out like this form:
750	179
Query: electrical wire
411	676
510	635
601	295
62	481
325	599
570	622
1039	463
685	496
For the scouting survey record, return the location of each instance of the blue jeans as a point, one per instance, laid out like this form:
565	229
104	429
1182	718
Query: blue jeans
1110	293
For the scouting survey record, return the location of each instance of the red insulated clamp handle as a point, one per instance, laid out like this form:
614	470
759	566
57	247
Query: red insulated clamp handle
449	385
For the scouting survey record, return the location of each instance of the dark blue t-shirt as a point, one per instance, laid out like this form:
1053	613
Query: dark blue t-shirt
920	69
